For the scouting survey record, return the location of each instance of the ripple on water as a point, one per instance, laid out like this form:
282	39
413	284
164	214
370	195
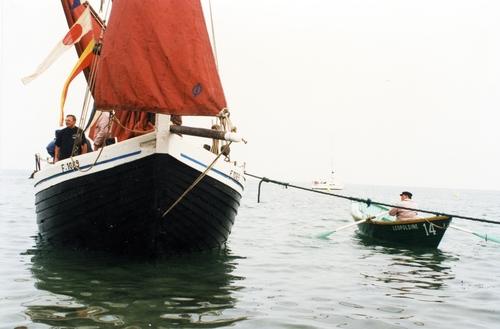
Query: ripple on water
274	274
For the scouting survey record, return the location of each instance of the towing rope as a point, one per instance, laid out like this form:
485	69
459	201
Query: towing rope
367	201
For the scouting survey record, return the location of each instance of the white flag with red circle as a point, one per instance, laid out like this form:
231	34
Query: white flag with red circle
81	27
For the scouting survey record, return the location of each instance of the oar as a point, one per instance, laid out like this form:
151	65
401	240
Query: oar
486	237
325	235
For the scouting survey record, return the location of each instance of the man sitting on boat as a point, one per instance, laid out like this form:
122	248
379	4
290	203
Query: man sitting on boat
67	137
406	202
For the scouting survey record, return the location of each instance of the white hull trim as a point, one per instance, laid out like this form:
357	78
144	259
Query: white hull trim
137	148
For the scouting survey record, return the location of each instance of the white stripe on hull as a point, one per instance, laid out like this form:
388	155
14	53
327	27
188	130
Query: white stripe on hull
137	148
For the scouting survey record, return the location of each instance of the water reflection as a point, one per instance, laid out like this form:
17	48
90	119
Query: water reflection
419	274
89	290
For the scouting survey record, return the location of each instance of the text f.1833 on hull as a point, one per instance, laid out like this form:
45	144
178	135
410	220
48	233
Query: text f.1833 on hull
120	209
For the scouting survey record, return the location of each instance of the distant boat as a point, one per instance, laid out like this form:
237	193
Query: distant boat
419	232
157	192
327	184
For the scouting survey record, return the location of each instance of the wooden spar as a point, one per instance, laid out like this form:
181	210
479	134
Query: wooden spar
208	133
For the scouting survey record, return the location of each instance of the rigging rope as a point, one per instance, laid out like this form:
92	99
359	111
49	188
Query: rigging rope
368	201
142	132
197	180
224	124
83	117
213	35
90	86
111	116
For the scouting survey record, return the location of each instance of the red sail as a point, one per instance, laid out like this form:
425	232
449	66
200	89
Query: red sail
157	57
72	10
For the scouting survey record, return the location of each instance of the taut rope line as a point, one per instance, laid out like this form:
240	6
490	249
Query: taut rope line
367	201
197	180
213	36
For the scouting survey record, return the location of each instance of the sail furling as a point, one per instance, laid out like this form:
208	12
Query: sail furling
158	58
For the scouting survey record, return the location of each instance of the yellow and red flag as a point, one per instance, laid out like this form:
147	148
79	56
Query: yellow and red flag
84	61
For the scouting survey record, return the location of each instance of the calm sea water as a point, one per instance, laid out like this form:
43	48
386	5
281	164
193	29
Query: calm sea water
274	273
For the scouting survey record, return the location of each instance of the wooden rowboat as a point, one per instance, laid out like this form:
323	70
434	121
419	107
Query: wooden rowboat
419	232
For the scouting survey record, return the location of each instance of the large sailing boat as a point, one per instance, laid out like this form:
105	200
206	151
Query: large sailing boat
154	191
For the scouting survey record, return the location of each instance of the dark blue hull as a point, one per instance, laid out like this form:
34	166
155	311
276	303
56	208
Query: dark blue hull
120	209
422	233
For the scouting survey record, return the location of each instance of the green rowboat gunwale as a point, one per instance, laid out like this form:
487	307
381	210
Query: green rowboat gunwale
425	232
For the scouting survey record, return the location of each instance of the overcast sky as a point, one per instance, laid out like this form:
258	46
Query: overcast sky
383	92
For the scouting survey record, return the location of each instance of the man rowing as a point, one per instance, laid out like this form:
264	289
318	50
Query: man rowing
406	202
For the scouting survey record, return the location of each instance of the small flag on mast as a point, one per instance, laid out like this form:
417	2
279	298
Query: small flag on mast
81	27
84	61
